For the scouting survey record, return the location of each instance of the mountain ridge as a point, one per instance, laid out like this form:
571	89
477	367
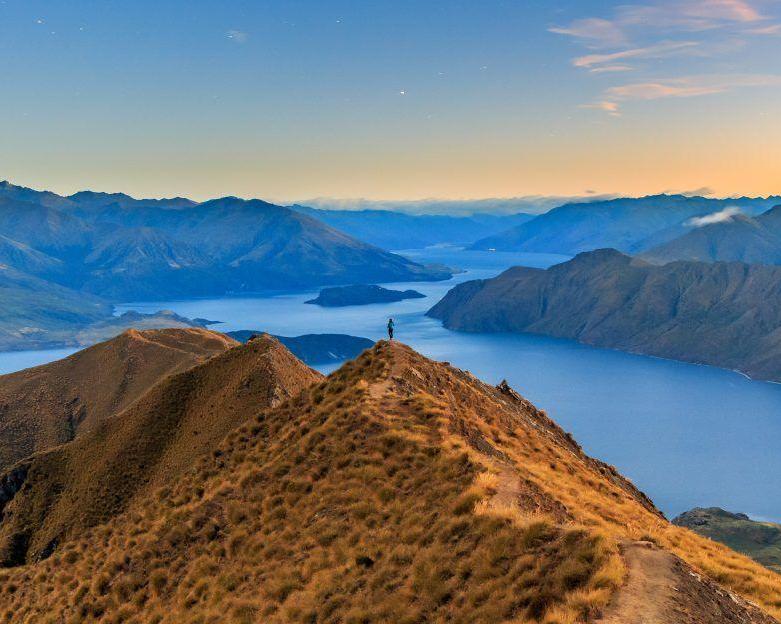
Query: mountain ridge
723	314
397	489
49	405
145	444
736	238
630	225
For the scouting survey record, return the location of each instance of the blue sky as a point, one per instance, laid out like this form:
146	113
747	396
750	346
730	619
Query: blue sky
297	99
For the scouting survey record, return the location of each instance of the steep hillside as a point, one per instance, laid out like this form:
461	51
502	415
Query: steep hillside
25	259
51	404
397	490
141	263
45	229
759	540
61	492
35	313
269	246
737	238
722	314
627	224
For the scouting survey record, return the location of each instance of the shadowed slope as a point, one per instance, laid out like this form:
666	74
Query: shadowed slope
61	492
48	405
722	314
397	490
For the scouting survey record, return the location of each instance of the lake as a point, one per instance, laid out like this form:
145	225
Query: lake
687	435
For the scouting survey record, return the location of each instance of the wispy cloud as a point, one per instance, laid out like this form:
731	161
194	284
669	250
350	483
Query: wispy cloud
715	217
660	50
595	31
609	107
690	15
773	29
636	37
684	15
703	191
239	36
685	87
610	69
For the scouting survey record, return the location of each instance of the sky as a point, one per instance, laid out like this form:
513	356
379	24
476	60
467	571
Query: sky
402	99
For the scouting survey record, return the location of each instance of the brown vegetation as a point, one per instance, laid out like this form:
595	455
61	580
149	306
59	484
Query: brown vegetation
48	405
69	488
397	490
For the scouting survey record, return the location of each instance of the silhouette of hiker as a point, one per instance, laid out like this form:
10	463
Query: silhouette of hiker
390	329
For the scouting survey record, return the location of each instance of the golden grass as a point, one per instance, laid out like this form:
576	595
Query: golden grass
394	491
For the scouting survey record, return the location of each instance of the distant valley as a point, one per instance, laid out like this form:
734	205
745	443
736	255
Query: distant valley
396	230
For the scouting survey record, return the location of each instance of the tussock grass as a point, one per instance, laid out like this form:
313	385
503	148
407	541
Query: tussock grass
395	491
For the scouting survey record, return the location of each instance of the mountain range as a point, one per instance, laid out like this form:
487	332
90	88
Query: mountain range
734	237
398	230
630	225
724	314
121	248
64	260
248	488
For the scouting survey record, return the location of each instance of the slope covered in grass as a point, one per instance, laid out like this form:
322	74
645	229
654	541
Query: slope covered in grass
397	490
758	539
49	405
59	493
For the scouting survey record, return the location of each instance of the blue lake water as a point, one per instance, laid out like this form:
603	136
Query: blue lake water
13	361
687	435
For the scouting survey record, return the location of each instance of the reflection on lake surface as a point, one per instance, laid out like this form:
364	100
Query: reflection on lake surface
687	435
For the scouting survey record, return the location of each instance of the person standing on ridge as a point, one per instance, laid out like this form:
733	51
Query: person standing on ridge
390	329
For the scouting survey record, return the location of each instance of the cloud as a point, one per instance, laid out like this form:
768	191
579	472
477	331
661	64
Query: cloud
595	31
703	191
657	90
609	107
608	69
690	15
715	217
633	20
237	35
686	87
773	29
636	37
660	50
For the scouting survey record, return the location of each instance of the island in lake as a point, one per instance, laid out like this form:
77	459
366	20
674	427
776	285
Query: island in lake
361	294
